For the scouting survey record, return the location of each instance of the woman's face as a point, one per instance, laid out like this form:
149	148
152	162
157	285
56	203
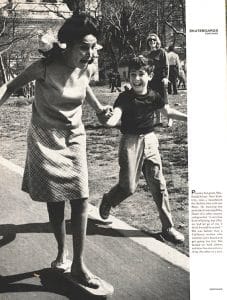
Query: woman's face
80	54
152	42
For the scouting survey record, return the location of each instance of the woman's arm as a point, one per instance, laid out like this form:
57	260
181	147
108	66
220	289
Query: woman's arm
103	112
90	96
93	101
31	73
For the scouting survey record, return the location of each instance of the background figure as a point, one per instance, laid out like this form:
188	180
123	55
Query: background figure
115	82
118	82
158	59
174	68
56	163
182	76
109	75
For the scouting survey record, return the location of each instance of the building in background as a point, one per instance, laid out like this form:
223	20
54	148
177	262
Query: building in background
24	21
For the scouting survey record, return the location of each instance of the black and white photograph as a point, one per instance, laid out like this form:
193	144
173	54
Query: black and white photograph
110	117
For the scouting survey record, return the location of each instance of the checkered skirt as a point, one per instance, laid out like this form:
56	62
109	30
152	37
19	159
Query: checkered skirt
56	164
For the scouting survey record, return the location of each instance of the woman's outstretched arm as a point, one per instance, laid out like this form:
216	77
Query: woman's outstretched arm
31	73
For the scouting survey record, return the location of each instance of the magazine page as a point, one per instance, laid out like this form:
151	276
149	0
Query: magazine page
207	129
133	245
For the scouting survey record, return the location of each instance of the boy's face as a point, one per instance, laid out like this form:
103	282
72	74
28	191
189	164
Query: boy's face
139	81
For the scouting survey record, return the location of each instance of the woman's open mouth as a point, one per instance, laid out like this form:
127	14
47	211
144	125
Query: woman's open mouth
86	61
137	84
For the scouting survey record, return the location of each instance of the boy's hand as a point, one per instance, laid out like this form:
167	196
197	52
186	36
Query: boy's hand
105	114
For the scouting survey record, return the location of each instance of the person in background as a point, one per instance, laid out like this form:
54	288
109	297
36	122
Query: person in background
181	76
118	82
174	68
56	163
113	81
109	75
158	60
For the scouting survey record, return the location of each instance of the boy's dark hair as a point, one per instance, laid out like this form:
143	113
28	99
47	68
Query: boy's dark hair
138	62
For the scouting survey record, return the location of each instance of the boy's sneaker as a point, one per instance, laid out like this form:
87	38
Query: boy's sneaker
104	208
172	235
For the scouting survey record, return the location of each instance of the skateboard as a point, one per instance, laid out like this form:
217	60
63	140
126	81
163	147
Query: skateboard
105	289
60	282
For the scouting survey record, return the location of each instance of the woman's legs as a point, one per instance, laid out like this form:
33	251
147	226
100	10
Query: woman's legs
56	216
79	215
79	226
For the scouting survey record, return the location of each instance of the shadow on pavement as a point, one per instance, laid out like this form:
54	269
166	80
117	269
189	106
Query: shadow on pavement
43	281
95	227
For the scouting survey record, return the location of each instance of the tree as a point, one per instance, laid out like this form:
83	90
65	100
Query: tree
126	24
10	35
125	27
90	7
171	25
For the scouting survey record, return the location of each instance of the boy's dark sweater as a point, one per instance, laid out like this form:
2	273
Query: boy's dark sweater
138	111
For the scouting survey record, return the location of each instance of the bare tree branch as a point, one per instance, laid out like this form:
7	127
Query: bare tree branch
7	7
6	49
3	28
10	43
56	12
174	29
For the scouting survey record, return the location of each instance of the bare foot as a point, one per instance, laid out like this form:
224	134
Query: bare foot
84	276
61	261
62	256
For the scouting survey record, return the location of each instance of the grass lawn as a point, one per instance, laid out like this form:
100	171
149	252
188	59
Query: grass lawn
138	210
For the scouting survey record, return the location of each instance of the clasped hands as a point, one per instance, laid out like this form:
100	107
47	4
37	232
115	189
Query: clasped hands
104	115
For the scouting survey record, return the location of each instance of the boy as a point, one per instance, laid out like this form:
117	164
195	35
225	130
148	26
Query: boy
139	146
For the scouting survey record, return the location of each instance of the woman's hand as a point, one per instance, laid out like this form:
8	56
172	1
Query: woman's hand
105	113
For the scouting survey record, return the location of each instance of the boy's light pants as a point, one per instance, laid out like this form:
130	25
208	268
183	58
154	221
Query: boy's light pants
139	153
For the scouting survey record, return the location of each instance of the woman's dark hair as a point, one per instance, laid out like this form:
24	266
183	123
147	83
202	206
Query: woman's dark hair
171	48
76	27
72	31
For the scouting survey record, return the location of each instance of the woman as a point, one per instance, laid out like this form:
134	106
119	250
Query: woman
56	164
159	61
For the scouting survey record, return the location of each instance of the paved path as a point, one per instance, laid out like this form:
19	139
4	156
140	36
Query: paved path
27	247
